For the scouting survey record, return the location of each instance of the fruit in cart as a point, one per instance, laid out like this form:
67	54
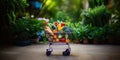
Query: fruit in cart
59	36
67	40
62	24
47	29
62	40
56	23
54	36
57	40
60	27
54	31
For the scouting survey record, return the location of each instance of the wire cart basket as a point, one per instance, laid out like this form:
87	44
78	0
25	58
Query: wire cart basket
59	37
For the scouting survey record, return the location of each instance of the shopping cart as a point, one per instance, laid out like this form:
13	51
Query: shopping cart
59	37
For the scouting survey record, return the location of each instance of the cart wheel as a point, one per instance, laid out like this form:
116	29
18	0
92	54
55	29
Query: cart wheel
66	52
48	52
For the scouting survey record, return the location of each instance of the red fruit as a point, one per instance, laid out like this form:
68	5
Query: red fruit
62	40
56	23
62	24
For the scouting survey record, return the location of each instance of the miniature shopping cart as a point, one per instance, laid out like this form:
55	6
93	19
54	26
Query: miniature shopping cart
59	37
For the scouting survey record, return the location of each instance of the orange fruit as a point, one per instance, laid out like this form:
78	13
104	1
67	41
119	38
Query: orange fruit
67	40
57	40
54	31
54	36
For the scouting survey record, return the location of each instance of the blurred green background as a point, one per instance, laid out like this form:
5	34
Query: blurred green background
90	20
